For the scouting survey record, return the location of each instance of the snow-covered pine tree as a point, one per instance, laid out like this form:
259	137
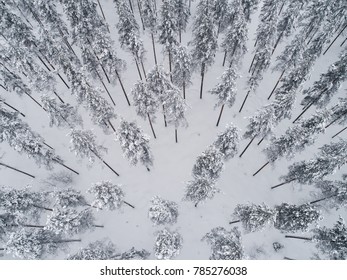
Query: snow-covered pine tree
35	243
174	109
221	14
133	254
83	144
158	83
260	124
23	203
162	211
149	16
204	40
182	67
297	137
97	250
225	90
145	103
200	189
25	141
14	83
265	41
167	244
328	84
134	144
330	158
70	221
339	112
209	164
292	218
108	196
332	241
225	245
334	192
289	20
68	198
227	141
60	114
129	34
168	27
234	41
249	7
254	217
182	14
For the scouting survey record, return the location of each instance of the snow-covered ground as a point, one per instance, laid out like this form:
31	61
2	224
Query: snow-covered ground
173	162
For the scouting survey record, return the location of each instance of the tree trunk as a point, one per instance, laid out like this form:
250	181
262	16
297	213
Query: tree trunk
104	162
66	241
277	42
250	142
303	111
261	140
44	143
170	68
61	78
13	108
234	222
138	69
69	168
322	199
3	87
336	119
298	237
140	12
32	226
23	15
143	68
176	135
33	99
184	89
338	35
202	78
314	33
41	207
122	86
278	81
98	226
57	95
164	116
344	41
127	203
110	124
180	35
150	123
244	101
103	15
10	167
131	6
261	168
102	82
250	67
43	63
284	183
286	258
154	52
225	56
281	8
342	130
220	115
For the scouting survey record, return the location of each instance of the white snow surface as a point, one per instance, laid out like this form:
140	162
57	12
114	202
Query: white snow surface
173	162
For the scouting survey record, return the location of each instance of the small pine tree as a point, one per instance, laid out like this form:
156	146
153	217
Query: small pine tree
167	244
292	218
83	144
133	254
209	165
227	142
200	189
168	26
60	114
68	198
175	107
234	42
163	211
330	158
225	245
107	196
332	242
182	14
182	68
333	191
70	221
134	144
97	250
254	217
